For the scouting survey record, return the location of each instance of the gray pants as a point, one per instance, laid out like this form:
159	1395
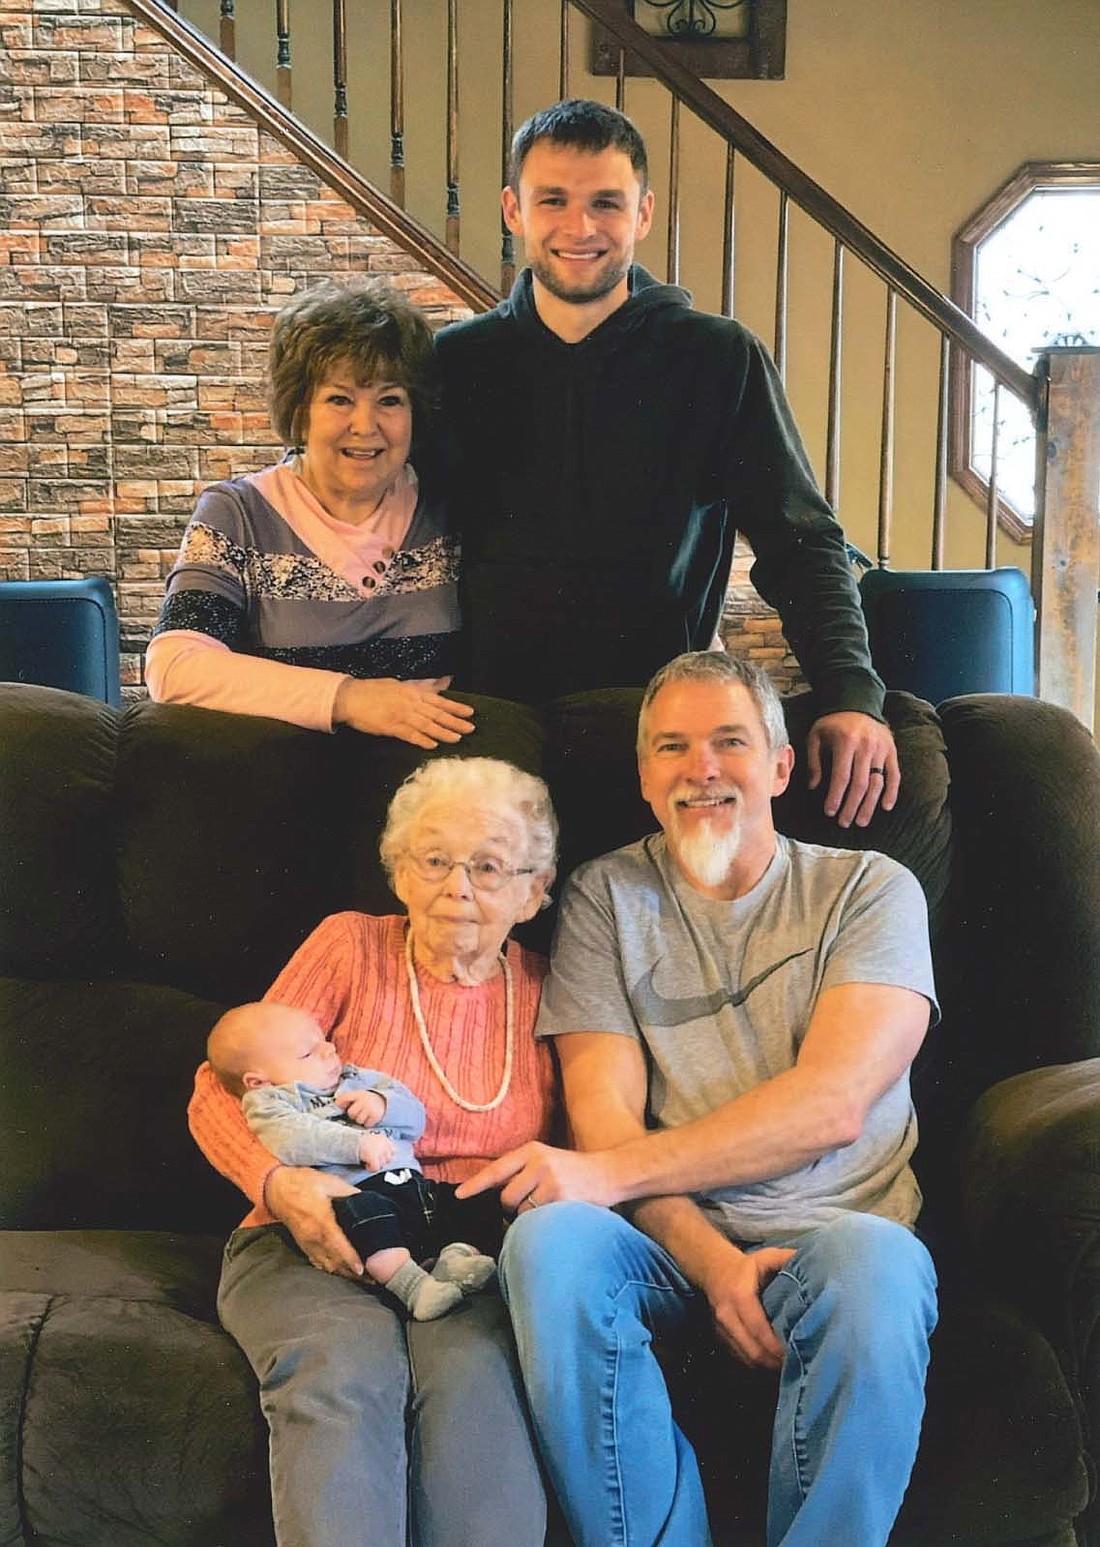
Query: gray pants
358	1400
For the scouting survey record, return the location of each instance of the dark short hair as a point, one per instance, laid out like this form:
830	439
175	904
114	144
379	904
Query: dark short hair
731	670
367	325
584	125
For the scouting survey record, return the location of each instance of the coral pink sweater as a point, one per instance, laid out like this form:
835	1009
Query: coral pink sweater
350	975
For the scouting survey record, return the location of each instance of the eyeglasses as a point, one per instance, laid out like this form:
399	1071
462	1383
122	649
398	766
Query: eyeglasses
485	873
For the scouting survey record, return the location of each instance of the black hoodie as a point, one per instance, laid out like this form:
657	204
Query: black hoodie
598	487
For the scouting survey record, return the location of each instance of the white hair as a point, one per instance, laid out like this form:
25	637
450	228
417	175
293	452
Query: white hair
483	781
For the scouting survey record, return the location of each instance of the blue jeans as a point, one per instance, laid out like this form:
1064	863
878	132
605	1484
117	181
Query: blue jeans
854	1309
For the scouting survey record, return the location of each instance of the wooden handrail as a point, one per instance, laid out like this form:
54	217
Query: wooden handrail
726	122
390	219
707	105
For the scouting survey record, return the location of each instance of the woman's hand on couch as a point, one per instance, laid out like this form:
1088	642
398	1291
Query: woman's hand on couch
302	1199
411	711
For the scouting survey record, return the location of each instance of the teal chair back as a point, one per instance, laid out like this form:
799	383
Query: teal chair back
61	634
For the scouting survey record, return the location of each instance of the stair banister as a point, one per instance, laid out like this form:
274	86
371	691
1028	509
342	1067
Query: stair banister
714	111
367	200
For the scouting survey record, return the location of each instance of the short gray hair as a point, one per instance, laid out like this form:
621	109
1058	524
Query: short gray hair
717	666
488	781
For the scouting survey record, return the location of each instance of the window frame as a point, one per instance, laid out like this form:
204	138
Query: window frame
1031	177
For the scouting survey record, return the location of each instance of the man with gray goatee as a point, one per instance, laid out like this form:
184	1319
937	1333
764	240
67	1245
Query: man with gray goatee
735	1014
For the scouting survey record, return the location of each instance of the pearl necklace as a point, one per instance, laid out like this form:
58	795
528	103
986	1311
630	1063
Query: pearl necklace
429	1051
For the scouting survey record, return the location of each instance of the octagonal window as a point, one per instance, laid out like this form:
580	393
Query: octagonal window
1026	267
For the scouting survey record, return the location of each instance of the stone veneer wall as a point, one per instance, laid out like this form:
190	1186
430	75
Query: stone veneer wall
148	232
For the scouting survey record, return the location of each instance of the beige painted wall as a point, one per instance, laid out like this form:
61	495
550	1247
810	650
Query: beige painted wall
911	112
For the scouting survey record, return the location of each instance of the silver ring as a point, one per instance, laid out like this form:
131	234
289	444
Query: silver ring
880	771
531	1201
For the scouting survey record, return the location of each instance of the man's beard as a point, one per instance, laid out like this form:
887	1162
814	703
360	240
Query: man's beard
585	290
707	853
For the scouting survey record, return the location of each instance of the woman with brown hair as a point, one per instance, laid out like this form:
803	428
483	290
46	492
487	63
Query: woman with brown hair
324	590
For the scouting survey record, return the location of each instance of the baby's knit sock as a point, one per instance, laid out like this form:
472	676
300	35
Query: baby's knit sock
465	1266
425	1296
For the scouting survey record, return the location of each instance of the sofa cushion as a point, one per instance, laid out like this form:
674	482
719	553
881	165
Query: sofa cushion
229	847
593	772
239	834
1000	1454
93	1109
918	832
1001	1444
58	901
113	1335
1027	931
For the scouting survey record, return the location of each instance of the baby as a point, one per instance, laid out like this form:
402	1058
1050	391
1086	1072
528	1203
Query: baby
310	1109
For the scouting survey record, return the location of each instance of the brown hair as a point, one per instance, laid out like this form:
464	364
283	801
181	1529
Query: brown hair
368	325
580	124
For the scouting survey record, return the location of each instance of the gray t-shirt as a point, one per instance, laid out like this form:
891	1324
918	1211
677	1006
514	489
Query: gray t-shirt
720	995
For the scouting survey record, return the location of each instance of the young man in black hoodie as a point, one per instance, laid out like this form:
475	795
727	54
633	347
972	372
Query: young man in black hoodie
605	444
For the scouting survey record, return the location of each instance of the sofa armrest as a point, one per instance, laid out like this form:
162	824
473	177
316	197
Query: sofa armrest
1030	1166
1020	960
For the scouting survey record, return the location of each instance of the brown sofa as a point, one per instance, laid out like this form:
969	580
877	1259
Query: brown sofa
157	864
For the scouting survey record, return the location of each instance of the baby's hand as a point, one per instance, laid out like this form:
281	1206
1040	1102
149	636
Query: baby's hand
365	1107
376	1150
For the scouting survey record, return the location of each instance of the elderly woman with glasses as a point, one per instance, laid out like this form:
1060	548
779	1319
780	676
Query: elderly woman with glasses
324	590
357	1396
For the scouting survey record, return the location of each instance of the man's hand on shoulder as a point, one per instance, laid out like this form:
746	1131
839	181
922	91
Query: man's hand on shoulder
302	1198
859	754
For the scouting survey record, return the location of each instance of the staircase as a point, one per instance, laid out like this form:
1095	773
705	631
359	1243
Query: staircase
859	302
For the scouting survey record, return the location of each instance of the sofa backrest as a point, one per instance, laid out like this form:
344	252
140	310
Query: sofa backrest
158	864
194	849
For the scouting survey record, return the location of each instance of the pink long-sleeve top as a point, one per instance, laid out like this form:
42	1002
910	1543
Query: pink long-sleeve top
350	974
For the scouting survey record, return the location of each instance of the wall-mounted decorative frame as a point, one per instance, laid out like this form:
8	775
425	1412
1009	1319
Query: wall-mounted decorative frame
717	39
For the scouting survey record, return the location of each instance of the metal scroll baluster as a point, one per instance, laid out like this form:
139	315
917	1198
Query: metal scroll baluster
836	348
939	498
452	234
994	499
886	448
729	235
507	119
674	190
227	29
282	57
397	107
563	52
340	78
781	287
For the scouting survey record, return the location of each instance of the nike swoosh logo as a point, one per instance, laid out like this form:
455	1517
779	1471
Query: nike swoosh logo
656	1010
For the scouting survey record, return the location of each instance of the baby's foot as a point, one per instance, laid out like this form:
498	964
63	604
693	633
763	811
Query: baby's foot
434	1298
426	1297
465	1266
